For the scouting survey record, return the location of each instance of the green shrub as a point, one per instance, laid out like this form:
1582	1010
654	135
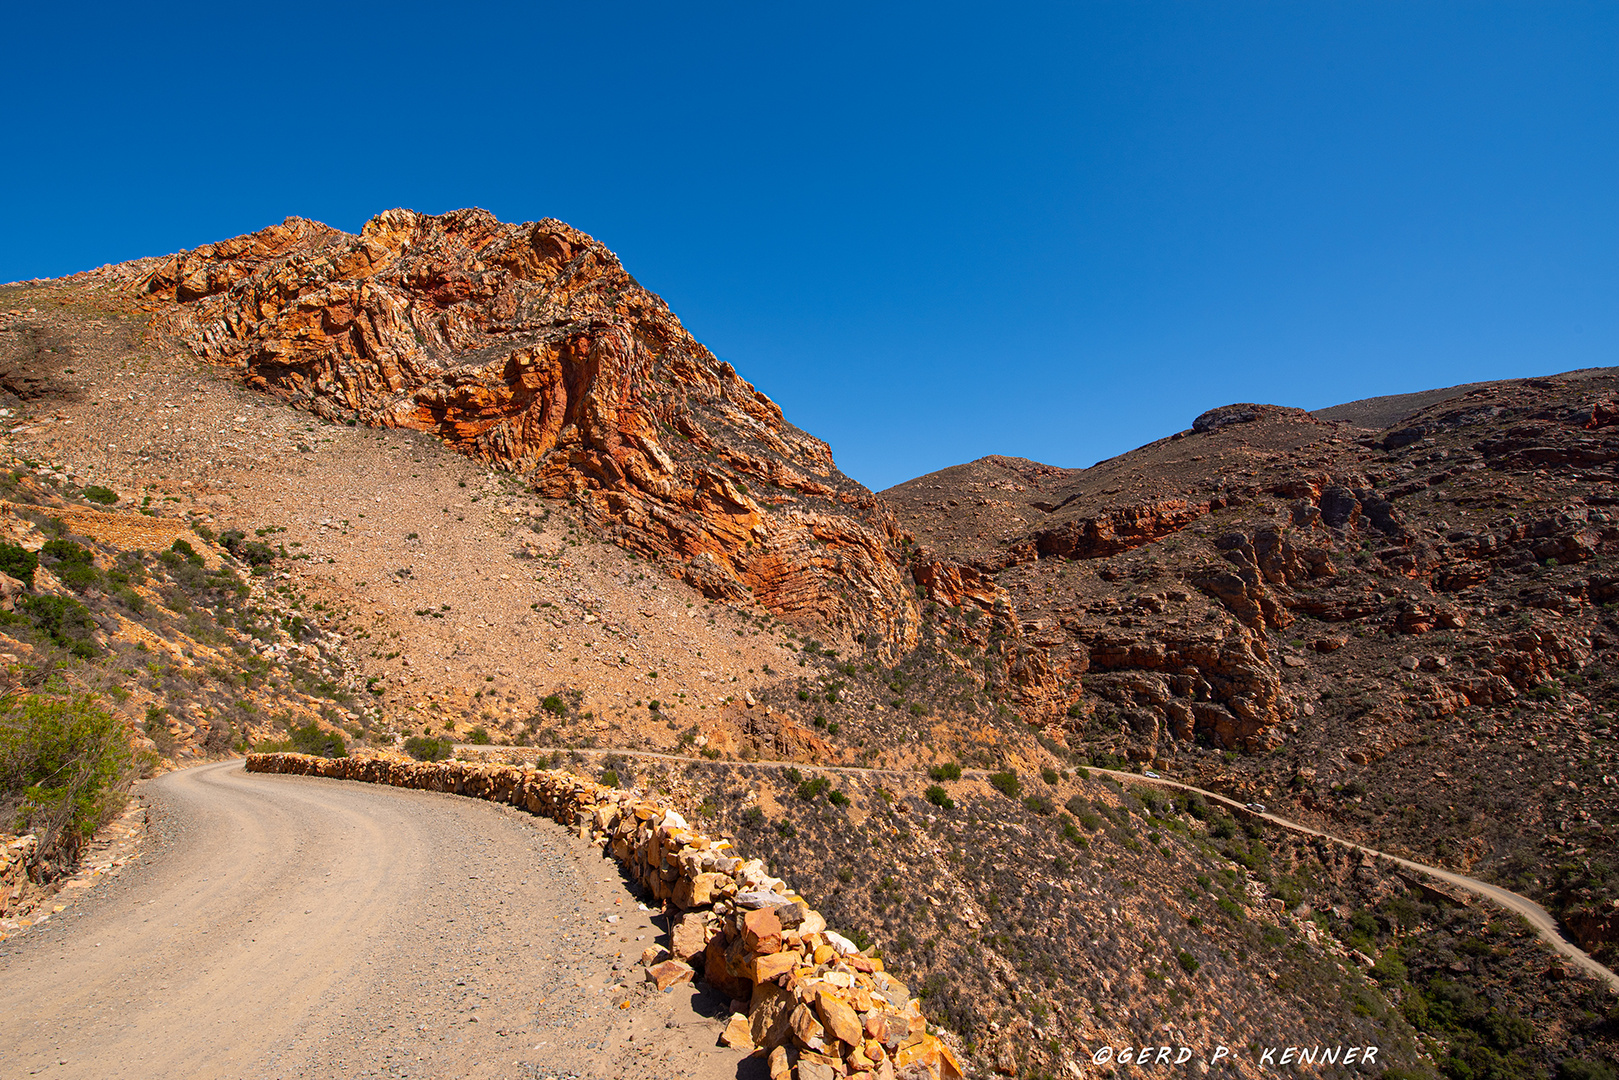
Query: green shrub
837	798
1006	783
609	778
19	562
554	705
186	551
313	739
1048	774
97	494
65	766
478	736
939	797
72	564
1038	804
252	552
423	749
65	621
1188	962
948	771
1583	1069
809	789
753	817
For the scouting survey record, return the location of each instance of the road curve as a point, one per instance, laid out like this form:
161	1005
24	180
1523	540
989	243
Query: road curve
1537	917
282	926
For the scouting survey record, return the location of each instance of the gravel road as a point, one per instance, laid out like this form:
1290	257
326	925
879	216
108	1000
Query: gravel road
1538	917
279	926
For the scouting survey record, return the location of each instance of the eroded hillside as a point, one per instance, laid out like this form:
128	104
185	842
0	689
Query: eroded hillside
1404	635
500	492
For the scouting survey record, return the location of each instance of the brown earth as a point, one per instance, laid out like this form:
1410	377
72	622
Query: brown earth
1406	635
1402	635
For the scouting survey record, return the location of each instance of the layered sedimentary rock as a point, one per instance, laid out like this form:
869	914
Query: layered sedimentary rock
530	347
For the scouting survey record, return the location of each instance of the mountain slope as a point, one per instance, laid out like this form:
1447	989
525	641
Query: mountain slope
1407	635
530	348
1357	627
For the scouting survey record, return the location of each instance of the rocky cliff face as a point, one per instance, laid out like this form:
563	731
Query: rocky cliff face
1409	630
530	347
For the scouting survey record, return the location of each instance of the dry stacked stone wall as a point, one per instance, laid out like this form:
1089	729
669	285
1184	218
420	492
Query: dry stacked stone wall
815	1005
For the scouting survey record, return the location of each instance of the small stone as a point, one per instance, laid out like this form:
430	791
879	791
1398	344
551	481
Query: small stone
773	965
738	1034
669	973
761	931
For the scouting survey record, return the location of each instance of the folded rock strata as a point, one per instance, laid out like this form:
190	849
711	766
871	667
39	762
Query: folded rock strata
529	347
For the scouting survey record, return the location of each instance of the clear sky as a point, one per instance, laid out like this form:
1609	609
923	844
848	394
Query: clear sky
930	232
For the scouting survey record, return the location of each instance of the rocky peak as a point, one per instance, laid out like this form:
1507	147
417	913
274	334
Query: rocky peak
531	348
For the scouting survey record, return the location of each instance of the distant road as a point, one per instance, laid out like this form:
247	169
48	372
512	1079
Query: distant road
1538	917
284	926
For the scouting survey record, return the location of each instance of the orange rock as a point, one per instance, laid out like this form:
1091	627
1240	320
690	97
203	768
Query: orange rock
838	1017
669	973
738	1034
531	348
772	965
807	1031
761	931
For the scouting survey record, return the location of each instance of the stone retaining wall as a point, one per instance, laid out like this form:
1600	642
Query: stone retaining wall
816	1005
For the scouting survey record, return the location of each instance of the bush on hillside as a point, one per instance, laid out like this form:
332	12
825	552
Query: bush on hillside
71	563
65	768
19	562
1006	783
309	739
426	749
65	621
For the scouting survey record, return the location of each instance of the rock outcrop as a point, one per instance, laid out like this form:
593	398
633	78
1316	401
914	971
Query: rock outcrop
531	348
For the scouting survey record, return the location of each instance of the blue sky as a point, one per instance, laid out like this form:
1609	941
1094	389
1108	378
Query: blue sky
930	232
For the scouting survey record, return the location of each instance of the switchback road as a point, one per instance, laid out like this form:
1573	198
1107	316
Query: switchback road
1538	917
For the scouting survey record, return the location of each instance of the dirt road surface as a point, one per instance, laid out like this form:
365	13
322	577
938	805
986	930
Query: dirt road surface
280	927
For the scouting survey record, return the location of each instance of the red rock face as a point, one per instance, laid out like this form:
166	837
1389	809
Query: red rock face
529	347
